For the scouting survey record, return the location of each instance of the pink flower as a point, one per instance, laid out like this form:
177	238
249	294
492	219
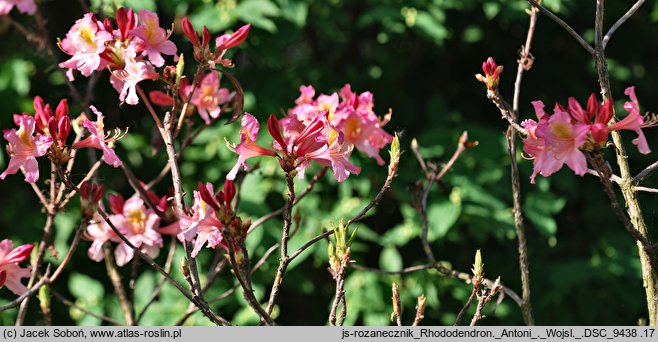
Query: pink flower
139	225
633	121
155	37
24	6
97	139
209	97
352	116
85	42
247	148
10	272
562	140
307	93
366	134
99	232
337	156
228	41
125	80
24	148
202	226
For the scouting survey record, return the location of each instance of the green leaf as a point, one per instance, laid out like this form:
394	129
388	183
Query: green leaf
138	5
294	11
258	13
442	215
540	209
83	286
390	259
431	27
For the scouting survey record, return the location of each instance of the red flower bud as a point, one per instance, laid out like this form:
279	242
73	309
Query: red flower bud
63	129
229	192
62	109
235	39
207	196
126	21
116	204
191	34
205	37
108	25
275	131
52	128
160	98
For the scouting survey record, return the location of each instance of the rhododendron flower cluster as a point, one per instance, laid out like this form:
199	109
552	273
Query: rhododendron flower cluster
209	216
208	98
23	6
98	139
131	51
324	130
134	220
34	137
562	137
10	272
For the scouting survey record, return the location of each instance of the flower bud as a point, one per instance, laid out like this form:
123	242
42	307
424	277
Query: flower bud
229	192
226	42
63	129
62	109
191	34
205	37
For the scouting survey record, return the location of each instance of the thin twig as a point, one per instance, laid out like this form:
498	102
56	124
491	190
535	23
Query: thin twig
119	289
564	25
648	171
283	258
43	245
34	289
247	290
259	221
465	277
620	22
86	178
214	317
466	305
633	208
69	253
524	63
161	282
67	302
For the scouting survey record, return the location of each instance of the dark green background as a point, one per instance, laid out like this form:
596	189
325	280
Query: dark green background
418	58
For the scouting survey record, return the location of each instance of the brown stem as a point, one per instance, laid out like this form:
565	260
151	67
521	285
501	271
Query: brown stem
168	137
158	287
21	299
215	318
619	22
87	177
69	253
43	245
564	25
151	111
67	302
339	294
525	62
284	259
644	173
467	304
247	290
298	198
633	208
119	289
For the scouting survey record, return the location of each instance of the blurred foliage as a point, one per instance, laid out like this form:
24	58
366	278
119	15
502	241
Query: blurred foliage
418	57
